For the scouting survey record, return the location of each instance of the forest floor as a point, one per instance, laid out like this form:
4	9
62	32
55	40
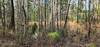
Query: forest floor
72	40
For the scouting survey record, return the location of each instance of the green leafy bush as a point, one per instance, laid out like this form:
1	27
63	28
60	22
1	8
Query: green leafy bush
54	36
92	45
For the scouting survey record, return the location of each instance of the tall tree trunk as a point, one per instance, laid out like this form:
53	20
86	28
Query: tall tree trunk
12	17
3	16
65	32
66	18
89	17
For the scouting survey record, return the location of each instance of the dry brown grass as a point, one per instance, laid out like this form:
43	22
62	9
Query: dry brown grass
72	24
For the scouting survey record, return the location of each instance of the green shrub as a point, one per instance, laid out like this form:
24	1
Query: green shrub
54	36
92	45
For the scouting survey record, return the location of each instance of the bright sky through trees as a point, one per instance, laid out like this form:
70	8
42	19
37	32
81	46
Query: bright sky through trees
86	3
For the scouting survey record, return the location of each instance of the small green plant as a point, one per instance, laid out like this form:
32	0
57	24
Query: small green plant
92	45
54	36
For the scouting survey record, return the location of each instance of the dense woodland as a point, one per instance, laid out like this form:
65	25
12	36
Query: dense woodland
49	23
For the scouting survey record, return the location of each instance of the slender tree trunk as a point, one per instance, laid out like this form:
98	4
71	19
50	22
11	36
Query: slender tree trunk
65	32
66	18
3	16
89	17
12	17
